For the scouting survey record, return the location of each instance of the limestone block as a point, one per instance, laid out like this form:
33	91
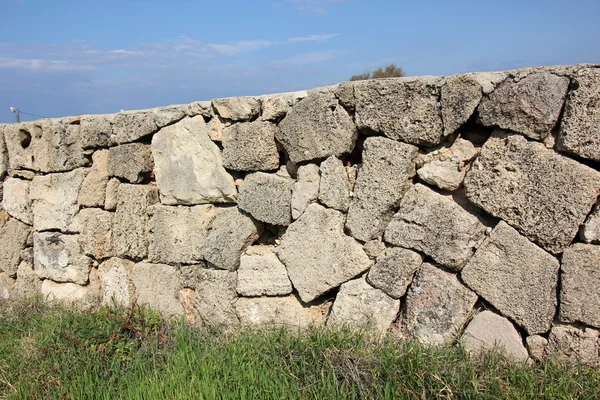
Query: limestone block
280	311
334	189
203	108
435	225
530	106
267	198
59	257
188	165
96	130
275	107
516	277
129	126
536	345
13	239
460	96
447	175
359	304
318	255
214	298
190	274
69	293
375	248
405	109
384	177
580	275
317	127
489	331
6	286
176	235
345	94
394	271
93	188
112	194
54	200
237	108
27	284
306	189
158	285
231	233
570	345
16	199
437	306
131	162
262	275
250	146
116	281
95	238
544	195
131	219
216	126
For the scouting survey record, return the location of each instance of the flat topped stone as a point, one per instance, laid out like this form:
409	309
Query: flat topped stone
460	96
394	271
16	199
131	162
237	108
571	345
280	311
250	146
158	285
267	197
93	188
59	257
262	275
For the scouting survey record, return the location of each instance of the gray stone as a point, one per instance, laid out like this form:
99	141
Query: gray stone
318	255
435	225
590	230
280	311
112	194
237	108
250	146
306	189
188	165
28	284
375	248
580	274
131	219
536	345
59	257
203	108
393	272
447	175
96	130
275	107
359	304
231	233
516	277
262	275
406	109
216	126
176	235
93	188
131	162
3	155
190	274
16	200
345	94
158	285
267	198
544	195
488	331
95	238
130	126
13	237
570	345
6	286
317	127
530	106
580	125
334	189
116	282
384	177
460	96
437	306
214	298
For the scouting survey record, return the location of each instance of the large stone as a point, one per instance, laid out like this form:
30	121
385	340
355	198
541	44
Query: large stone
334	189
132	162
488	331
406	109
54	200
93	188
115	278
544	195
188	165
437	306
16	200
262	274
214	298
130	221
13	239
306	189
250	146
516	277
96	130
394	271
318	255
112	194
6	286
275	107
460	96
28	284
530	106
384	177
267	198
580	125
130	126
216	126
435	225
280	311
158	285
95	238
59	257
317	127
570	345
231	233
359	304
237	108
203	108
70	293
176	235
580	276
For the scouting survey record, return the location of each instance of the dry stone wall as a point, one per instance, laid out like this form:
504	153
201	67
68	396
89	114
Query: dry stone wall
460	208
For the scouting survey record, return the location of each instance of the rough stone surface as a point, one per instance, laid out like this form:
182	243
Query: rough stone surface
129	126
6	286
435	225
590	230
216	126
359	304
489	331
542	194
580	276
231	233
28	284
516	277
59	257
93	188
250	146
131	162
158	285
393	272
437	306
571	345
530	106
334	189
262	275
267	198
214	298
375	248
16	200
536	345
306	189
460	96
406	109
275	107
69	293
237	108
580	124
382	180
96	130
95	238
447	175
115	278
131	219
112	194
318	255
176	235
317	127
13	239
280	311
188	165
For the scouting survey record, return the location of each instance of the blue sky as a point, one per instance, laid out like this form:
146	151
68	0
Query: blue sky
60	58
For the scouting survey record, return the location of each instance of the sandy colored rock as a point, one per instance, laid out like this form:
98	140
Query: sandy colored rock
250	146
237	108
306	189
570	345
375	248
216	126
267	198
16	199
214	298
95	238
6	286
384	177
262	275
536	345
131	162
13	237
93	188
516	277
96	130
334	189
318	255
116	281
203	108
590	230
28	284
447	175
69	293
130	126
394	271
59	257
460	96
280	311
275	107
158	285
112	194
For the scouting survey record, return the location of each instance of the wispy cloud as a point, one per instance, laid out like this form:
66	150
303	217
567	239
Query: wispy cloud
314	38
318	7
43	65
308	58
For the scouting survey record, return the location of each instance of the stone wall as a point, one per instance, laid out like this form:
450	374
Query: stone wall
437	208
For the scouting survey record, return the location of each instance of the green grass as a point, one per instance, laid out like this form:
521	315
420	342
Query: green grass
54	352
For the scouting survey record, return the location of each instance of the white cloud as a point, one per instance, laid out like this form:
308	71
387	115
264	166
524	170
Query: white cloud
43	65
318	7
308	58
314	38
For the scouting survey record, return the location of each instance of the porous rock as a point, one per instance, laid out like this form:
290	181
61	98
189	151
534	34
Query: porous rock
394	271
96	130
16	200
250	146
447	175
95	238
375	248
131	162
115	277
237	108
267	198
305	189
93	188
536	345
28	284
334	189
571	345
129	126
262	275
59	257
13	236
6	286
112	194
214	298
275	107
460	96
158	285
83	296
280	311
